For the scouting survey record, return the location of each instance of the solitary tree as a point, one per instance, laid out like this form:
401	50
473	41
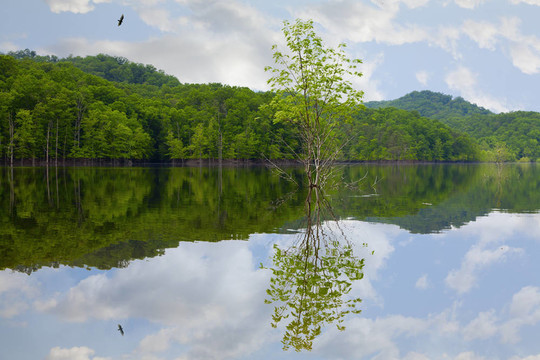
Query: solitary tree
311	279
314	91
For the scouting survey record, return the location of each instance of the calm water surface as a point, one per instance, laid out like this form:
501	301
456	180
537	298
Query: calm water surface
173	255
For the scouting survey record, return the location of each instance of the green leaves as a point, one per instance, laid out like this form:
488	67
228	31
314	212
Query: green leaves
314	93
309	285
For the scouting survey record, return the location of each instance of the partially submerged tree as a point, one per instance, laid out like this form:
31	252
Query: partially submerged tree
310	280
315	92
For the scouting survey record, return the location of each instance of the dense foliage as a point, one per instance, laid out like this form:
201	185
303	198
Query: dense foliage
104	107
505	136
517	133
393	134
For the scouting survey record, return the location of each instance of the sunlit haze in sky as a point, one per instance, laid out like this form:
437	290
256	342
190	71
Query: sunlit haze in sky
487	51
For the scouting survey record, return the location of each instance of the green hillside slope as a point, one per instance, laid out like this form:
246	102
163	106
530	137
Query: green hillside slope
506	136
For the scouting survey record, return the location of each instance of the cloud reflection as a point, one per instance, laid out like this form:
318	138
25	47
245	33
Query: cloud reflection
205	300
202	293
16	290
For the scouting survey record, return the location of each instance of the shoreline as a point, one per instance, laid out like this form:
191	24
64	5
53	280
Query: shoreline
217	163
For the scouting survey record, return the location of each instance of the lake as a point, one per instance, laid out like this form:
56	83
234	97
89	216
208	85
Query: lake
183	258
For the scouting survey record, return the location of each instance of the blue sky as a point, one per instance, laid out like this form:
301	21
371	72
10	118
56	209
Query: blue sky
469	293
487	51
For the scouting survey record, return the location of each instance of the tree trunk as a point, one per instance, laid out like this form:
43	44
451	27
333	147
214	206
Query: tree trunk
48	142
11	137
56	147
81	108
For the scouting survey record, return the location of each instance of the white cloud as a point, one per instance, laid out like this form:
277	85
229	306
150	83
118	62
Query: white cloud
525	301
394	4
74	6
413	4
525	58
497	228
482	32
422	77
422	282
159	18
461	78
74	353
477	258
469	4
446	37
226	18
530	357
8	46
468	355
365	337
16	290
227	42
464	81
482	327
524	310
360	22
529	2
524	50
368	83
491	231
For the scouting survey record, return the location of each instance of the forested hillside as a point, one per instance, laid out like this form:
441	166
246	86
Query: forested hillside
432	104
103	107
506	136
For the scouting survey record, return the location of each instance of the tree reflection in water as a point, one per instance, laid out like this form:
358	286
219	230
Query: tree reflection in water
311	279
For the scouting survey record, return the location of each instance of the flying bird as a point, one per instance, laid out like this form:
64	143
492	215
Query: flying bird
121	20
121	329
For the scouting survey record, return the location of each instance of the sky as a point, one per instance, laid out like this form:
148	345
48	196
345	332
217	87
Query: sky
486	51
468	293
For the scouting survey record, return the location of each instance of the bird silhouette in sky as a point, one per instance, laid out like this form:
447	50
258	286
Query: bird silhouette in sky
121	329
121	20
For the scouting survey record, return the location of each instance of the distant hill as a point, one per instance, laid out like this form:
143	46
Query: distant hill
506	136
433	105
111	68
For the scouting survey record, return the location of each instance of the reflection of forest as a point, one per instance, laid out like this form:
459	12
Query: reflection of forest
104	217
457	195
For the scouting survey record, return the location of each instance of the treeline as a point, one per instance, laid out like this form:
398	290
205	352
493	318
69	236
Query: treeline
506	136
104	107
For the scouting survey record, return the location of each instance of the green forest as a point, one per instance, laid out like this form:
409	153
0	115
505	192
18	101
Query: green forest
109	108
506	136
